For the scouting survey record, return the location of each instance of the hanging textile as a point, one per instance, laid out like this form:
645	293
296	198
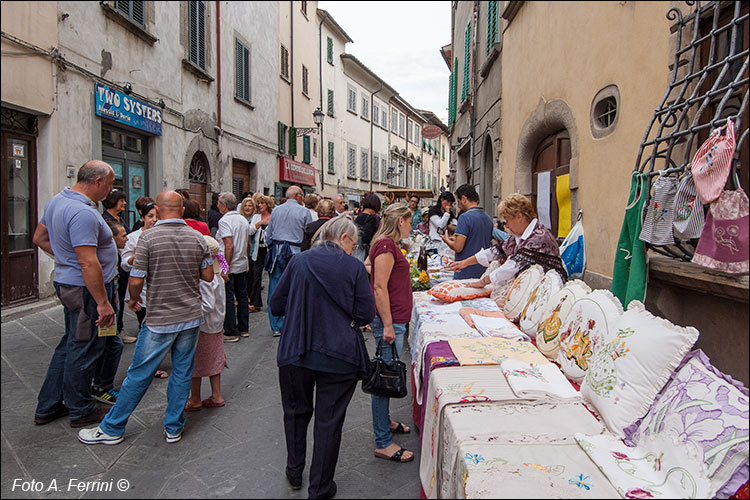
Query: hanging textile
629	275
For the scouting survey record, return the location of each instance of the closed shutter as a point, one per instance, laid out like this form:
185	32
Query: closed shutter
242	60
352	162
375	166
365	165
292	141
330	158
306	149
330	102
491	25
138	16
202	34
197	28
467	62
281	137
329	51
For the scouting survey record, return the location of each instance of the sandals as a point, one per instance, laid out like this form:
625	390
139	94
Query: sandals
210	403
161	374
189	406
401	429
396	457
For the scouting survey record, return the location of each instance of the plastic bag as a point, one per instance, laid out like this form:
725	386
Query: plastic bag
573	250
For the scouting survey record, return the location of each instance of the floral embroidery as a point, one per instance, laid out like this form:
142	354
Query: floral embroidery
476	458
732	232
550	327
581	349
602	377
532	372
638	493
581	481
683	211
620	456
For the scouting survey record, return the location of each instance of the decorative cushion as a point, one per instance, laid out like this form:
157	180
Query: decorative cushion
519	293
552	316
703	406
551	283
591	318
631	363
451	291
660	467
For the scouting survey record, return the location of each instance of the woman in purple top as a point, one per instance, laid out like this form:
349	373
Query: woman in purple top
391	286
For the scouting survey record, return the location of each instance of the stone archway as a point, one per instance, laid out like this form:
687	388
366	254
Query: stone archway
547	119
487	186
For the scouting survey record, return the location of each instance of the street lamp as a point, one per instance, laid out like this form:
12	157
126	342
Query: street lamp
318	117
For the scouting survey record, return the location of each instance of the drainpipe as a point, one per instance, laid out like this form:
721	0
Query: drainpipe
472	109
291	56
372	127
218	76
320	85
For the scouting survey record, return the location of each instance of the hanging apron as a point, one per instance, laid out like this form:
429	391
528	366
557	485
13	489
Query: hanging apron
629	275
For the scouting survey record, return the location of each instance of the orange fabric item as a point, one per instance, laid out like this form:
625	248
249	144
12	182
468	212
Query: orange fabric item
451	291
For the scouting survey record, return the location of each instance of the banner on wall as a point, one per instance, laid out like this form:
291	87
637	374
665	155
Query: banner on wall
116	106
296	172
543	198
562	190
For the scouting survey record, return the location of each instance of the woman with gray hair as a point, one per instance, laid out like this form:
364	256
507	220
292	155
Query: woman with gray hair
324	295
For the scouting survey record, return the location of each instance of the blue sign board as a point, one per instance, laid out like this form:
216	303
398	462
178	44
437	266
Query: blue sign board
122	108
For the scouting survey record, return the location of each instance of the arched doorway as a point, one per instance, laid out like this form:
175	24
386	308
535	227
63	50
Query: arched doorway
551	160
198	179
487	189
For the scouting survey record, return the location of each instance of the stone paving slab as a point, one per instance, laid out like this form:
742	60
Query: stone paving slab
237	451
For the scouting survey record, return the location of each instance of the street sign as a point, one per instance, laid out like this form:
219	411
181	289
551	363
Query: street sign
431	131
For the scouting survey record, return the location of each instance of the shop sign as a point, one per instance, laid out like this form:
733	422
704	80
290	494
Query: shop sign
122	108
431	131
296	172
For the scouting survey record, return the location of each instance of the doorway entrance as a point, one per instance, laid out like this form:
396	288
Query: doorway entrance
198	179
127	153
551	160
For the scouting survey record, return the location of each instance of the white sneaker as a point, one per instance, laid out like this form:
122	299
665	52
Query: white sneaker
96	436
173	438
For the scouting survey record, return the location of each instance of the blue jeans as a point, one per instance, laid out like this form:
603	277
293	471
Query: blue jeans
381	417
276	321
104	377
76	357
150	350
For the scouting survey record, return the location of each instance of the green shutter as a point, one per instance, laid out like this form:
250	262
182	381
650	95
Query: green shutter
281	137
330	158
306	149
330	102
239	70
465	91
329	52
491	25
292	141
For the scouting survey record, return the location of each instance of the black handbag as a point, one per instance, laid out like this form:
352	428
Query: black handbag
385	378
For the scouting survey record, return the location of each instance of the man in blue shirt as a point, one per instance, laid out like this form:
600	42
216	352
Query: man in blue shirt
286	229
473	231
74	232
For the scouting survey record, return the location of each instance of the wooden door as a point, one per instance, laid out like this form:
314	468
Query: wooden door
240	178
19	218
552	155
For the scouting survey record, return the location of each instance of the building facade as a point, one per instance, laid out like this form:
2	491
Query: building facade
172	95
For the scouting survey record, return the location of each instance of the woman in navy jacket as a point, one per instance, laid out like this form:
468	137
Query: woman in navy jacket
324	296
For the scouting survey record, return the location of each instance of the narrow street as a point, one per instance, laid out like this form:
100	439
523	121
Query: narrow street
237	451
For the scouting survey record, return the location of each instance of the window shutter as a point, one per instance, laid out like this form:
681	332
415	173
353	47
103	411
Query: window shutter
306	149
292	141
491	25
138	13
238	68
192	26
375	166
281	137
202	34
467	62
329	51
330	158
330	102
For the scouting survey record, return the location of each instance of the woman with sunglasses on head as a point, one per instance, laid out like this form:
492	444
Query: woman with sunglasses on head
324	296
391	286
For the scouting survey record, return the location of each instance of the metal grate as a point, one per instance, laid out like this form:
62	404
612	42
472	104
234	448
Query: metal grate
708	85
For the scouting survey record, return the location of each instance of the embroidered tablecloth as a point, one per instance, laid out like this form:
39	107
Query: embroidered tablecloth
494	350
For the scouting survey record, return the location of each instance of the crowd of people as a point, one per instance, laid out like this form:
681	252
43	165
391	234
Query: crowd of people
333	277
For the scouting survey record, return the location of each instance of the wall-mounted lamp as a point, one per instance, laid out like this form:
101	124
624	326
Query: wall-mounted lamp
162	104
128	88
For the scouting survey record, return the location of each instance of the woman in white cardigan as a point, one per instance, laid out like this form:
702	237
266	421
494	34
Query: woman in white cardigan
258	224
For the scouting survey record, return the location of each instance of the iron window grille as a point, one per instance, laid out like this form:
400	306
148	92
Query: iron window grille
708	85
606	112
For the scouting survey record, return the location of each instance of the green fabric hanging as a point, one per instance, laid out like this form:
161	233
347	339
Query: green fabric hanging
629	275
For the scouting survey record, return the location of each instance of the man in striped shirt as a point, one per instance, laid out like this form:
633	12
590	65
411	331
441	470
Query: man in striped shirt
174	258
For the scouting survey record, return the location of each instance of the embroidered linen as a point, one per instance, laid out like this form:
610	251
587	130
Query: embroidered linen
703	406
451	291
537	381
498	327
550	284
437	355
519	293
458	384
632	362
492	430
659	217
725	242
493	351
712	163
688	210
658	468
557	309
591	319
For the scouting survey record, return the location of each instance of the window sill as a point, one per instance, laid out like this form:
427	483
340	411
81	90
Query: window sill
365	118
352	112
285	78
464	105
128	24
244	103
511	9
306	95
199	72
698	278
491	57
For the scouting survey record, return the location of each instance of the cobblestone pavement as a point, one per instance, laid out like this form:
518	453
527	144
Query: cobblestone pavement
237	451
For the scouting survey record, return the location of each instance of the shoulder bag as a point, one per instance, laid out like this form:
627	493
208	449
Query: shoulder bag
385	378
712	163
688	211
659	214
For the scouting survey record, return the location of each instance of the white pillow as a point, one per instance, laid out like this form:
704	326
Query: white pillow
519	293
554	313
551	283
591	318
632	362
